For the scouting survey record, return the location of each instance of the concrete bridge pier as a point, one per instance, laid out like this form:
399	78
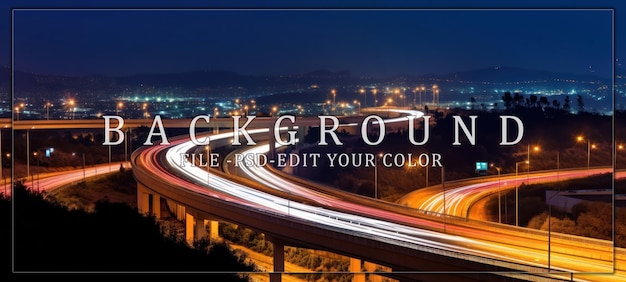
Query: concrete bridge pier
200	227
371	267
214	231
195	222
356	269
279	259
148	202
196	226
190	228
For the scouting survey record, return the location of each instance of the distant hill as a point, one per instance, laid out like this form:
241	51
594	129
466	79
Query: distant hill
221	78
222	83
502	74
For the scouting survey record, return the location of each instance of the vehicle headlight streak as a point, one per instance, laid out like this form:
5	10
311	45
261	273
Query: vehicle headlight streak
350	223
458	199
343	220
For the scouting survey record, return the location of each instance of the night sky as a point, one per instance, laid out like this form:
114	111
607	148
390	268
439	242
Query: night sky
372	42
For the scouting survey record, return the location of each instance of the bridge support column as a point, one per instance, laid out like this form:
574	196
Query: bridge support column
214	230
355	268
143	200
371	267
179	210
190	224
279	259
156	205
148	203
200	227
196	227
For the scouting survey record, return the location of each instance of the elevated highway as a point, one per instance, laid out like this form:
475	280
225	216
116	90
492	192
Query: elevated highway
428	243
579	247
305	222
292	200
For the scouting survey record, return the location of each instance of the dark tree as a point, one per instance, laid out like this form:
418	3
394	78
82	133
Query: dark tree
567	104
543	101
517	99
580	104
507	99
533	100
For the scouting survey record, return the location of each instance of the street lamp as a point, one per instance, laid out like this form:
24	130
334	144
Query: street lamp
517	191
358	103
536	149
558	166
376	176
334	92
8	155
38	173
362	91
72	108
443	187
1	161
549	227
126	137
579	139
426	181
208	166
499	198
84	167
397	92
324	106
27	153
109	156
48	105
118	108
374	91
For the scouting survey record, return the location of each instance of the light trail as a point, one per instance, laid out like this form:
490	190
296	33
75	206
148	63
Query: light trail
383	230
459	200
50	181
333	213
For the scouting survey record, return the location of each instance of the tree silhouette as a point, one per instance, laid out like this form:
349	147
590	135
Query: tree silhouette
580	104
543	101
567	104
533	100
507	99
517	99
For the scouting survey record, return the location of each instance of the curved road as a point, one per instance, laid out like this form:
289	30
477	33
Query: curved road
459	200
380	223
355	218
